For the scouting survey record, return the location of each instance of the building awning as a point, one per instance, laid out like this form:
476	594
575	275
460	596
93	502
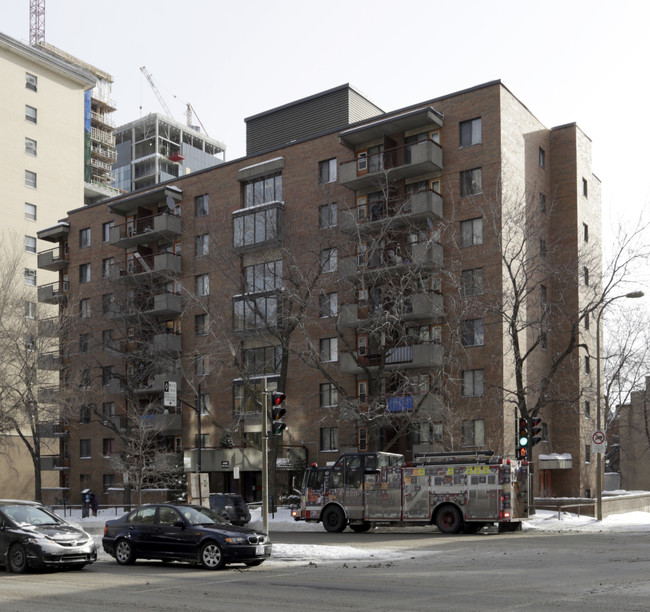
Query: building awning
555	461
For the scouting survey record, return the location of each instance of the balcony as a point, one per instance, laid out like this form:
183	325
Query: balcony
50	361
420	306
425	255
49	328
428	355
48	395
406	161
258	227
165	226
52	430
53	293
53	260
413	210
116	421
54	462
430	405
163	424
161	264
156	384
224	459
166	343
163	306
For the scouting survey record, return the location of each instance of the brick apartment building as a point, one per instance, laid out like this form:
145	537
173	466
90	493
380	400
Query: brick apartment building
353	260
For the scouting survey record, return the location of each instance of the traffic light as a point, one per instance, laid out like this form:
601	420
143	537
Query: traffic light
277	413
535	431
522	436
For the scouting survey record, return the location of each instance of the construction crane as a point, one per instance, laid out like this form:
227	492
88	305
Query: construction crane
155	90
188	115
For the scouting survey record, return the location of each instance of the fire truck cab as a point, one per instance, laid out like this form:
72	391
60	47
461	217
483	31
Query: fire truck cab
454	491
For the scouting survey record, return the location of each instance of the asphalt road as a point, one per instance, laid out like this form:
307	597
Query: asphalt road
564	571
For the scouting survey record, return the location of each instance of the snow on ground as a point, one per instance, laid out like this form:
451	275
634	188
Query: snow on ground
543	521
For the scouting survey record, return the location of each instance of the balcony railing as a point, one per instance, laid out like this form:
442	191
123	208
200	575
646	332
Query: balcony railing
146	230
161	264
426	355
54	462
165	305
53	293
402	162
53	260
414	307
164	424
50	361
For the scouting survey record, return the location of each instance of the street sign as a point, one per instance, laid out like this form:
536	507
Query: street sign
598	442
170	393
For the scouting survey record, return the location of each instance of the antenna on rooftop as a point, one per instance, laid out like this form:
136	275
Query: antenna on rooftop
36	21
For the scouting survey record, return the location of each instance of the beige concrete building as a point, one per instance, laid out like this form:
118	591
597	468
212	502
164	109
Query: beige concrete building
41	114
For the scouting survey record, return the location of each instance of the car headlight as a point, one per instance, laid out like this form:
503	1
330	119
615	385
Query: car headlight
236	540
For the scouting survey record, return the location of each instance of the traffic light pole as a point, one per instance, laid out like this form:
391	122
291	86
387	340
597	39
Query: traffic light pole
265	459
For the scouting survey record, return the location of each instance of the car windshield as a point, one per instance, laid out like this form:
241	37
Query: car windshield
30	515
197	515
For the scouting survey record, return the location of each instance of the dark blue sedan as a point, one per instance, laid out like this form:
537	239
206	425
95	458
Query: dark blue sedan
179	532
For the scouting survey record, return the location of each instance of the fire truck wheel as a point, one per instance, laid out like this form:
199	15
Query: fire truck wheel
448	519
360	527
334	519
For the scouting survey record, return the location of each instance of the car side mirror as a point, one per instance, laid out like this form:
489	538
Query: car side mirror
179	523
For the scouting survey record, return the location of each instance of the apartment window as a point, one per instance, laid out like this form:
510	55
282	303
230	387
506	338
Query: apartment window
31	147
201	245
84	308
542	158
542	203
472	281
585	232
84	449
266	276
108	300
262	360
108	447
329	349
543	340
30	212
84	273
473	433
471	232
108	410
107	338
107	375
472	383
588	408
31	114
30	179
108	481
84	238
588	460
327	171
259	312
586	320
585	272
204	403
327	215
328	260
200	365
543	297
585	187
329	395
258	226
470	132
106	230
362	439
84	343
471	182
329	438
201	205
30	244
472	332
263	190
107	264
84	379
328	305
31	81
30	310
542	248
426	433
587	365
201	324
30	277
202	285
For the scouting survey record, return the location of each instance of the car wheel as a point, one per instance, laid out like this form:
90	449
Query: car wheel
211	556
448	519
334	519
254	563
124	554
361	527
17	559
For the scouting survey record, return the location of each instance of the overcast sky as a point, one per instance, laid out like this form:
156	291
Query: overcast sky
583	61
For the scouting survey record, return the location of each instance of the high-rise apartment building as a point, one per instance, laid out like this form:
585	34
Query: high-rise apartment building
368	266
154	149
41	113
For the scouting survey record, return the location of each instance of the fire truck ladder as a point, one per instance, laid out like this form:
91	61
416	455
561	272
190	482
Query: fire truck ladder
484	456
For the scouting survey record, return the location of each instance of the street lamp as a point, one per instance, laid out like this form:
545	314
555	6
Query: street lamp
599	456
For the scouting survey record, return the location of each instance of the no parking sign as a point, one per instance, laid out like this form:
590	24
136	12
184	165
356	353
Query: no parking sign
598	442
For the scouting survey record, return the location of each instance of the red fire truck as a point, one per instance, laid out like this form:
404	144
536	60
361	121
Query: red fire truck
453	491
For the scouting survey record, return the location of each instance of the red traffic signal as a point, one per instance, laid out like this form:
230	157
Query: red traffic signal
277	398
